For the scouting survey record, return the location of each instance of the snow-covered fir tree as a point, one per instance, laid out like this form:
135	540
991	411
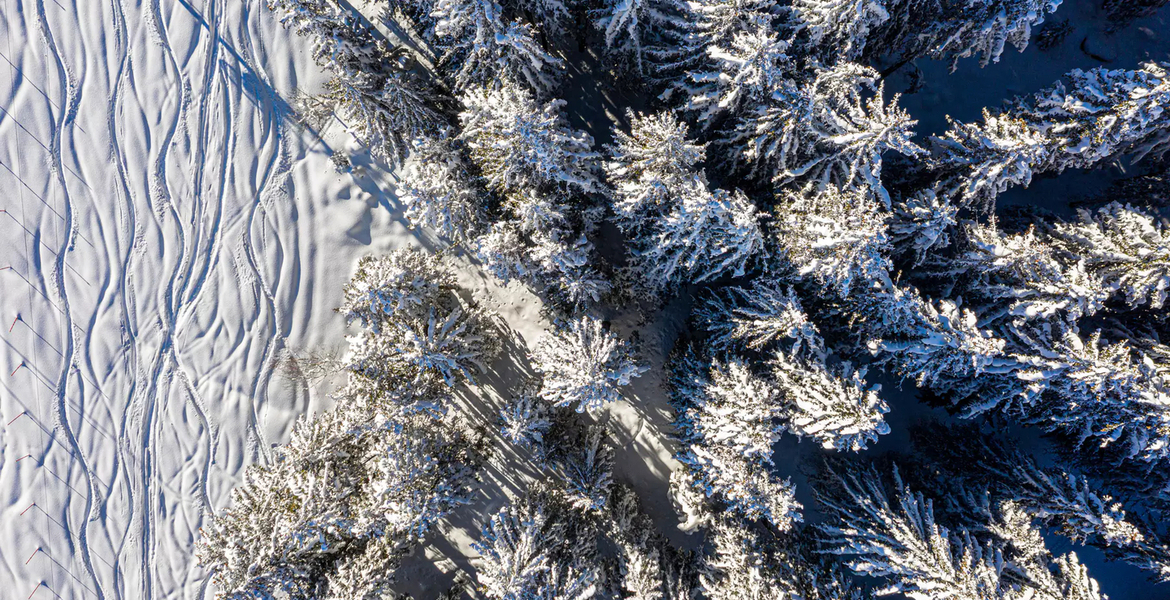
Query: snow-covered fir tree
840	28
584	364
528	551
1018	277
742	563
835	239
1063	500
683	231
720	474
519	143
374	90
413	320
921	223
439	191
733	407
954	29
744	73
832	128
833	406
758	316
900	541
369	475
526	420
946	348
1125	248
588	470
640	31
483	48
727	421
1097	115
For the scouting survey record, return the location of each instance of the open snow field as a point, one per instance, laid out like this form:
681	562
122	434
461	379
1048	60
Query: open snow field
168	231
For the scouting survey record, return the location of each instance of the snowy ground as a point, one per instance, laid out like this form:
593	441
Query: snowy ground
171	232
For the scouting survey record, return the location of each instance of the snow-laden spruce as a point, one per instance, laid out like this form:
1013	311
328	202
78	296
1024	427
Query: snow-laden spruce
541	167
374	90
482	48
682	230
833	406
1095	116
439	192
1020	277
413	320
584	364
641	31
1125	248
734	408
744	74
588	470
900	541
742	564
526	420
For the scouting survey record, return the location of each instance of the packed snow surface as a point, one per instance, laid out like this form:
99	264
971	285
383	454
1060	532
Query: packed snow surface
169	231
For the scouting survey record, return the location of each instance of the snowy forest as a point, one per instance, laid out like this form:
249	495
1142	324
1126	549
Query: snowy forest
880	377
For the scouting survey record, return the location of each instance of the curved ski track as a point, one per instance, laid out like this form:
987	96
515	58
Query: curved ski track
166	280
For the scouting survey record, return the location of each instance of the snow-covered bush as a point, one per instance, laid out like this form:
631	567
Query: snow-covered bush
584	364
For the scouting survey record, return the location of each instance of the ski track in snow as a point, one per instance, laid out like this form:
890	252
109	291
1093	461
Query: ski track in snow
171	231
